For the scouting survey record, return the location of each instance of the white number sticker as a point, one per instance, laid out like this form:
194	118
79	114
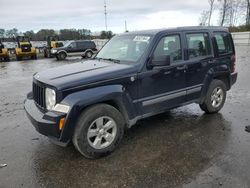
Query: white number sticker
141	38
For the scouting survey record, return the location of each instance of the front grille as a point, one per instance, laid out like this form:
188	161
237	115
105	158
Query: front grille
39	95
26	48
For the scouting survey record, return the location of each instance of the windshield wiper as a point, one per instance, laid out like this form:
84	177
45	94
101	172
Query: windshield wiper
109	59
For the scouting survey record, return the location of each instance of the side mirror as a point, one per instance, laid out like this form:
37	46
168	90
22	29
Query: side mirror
163	60
69	47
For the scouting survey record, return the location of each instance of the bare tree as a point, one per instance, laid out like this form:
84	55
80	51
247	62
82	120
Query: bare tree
223	11
204	18
211	9
232	12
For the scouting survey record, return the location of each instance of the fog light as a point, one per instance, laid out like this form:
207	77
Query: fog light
61	123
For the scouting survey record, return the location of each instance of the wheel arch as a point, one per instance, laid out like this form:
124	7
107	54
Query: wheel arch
113	95
62	51
222	74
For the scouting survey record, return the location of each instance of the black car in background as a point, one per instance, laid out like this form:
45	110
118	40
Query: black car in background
84	48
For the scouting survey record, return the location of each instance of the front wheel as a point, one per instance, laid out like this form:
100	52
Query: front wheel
99	131
215	98
61	56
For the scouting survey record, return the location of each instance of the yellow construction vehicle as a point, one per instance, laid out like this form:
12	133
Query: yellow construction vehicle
4	52
52	42
24	48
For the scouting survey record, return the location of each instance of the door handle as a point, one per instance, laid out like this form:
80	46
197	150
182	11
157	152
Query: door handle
182	67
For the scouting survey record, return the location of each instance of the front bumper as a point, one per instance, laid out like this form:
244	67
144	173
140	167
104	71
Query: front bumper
25	54
46	123
52	52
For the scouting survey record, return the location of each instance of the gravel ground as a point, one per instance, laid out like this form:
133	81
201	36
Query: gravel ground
181	148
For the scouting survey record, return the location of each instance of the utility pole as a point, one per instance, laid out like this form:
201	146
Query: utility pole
126	30
105	13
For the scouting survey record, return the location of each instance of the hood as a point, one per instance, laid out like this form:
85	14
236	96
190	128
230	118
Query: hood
82	73
59	48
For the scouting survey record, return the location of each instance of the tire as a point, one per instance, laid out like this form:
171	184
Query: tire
88	54
49	55
61	56
215	97
34	57
7	59
82	139
45	54
18	58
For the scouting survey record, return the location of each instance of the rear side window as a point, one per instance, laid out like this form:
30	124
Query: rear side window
198	45
92	45
87	44
224	43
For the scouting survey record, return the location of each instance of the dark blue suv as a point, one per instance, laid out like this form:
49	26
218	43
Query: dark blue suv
134	76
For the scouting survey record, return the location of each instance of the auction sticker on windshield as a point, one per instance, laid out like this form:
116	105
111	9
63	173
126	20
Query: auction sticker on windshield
141	38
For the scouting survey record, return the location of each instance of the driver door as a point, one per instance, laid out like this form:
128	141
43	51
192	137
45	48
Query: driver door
164	87
72	49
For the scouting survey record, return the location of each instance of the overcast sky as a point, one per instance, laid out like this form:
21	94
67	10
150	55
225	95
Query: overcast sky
139	14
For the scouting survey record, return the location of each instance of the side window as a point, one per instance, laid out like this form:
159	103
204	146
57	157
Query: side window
81	45
169	46
73	45
198	45
224	42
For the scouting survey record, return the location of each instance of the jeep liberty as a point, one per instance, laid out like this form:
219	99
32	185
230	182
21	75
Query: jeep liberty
135	75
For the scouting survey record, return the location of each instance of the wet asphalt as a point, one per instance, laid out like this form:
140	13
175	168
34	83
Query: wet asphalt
180	148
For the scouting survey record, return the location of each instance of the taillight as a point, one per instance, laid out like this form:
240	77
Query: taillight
233	63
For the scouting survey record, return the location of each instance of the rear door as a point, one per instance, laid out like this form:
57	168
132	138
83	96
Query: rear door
199	56
224	49
82	46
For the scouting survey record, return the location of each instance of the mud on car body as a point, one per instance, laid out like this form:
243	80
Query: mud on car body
134	76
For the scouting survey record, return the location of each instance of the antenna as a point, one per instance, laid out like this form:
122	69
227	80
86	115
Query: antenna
105	13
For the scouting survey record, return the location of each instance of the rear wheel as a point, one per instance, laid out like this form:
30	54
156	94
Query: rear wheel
215	97
88	54
99	131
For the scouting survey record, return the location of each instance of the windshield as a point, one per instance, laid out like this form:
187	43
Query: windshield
128	48
67	43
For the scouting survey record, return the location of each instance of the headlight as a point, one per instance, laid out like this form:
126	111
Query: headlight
53	51
50	98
